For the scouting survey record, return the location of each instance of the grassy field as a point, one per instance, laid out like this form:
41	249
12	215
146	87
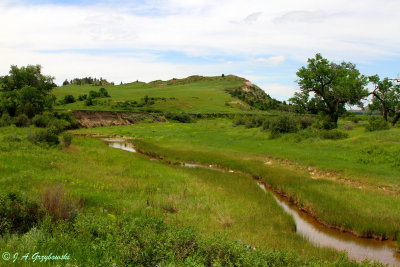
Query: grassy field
351	183
117	184
191	95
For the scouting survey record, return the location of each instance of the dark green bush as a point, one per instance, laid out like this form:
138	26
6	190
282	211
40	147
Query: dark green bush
18	214
82	97
181	117
58	125
283	124
334	134
103	92
5	120
48	136
69	117
68	99
306	121
66	139
41	120
21	120
377	124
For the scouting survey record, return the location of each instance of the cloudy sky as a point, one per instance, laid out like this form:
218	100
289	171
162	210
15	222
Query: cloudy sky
262	40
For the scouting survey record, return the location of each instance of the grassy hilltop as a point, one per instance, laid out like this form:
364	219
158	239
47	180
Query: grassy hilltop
195	94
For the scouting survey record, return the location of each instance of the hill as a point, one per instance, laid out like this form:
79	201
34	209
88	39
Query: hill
194	94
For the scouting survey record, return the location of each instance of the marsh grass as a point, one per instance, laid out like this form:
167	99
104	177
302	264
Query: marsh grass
118	184
360	204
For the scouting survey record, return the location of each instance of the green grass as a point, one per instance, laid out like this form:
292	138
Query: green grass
119	184
191	95
359	204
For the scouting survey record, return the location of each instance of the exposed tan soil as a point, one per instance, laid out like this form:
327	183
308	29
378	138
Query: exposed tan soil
94	118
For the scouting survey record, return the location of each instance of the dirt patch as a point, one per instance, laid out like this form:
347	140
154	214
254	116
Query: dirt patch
248	83
94	118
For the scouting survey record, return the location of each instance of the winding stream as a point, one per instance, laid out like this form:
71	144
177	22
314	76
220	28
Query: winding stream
357	248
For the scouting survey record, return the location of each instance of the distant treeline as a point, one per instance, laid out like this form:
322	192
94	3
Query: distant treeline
87	80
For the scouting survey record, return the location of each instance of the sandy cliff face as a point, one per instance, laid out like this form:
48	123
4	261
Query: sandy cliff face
93	118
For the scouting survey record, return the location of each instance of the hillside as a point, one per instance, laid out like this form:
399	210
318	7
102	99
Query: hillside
194	94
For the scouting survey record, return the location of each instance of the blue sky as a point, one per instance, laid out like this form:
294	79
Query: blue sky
263	41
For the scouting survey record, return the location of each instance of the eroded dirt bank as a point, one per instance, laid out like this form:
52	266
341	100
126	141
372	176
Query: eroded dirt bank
95	118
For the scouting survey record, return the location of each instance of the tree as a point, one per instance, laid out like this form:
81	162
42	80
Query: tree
26	91
385	98
334	84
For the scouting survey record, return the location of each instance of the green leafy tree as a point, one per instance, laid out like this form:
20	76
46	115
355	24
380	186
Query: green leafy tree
386	98
334	84
26	91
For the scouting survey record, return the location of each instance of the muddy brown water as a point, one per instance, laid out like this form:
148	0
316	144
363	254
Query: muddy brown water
357	248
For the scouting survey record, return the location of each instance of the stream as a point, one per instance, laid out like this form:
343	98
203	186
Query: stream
357	248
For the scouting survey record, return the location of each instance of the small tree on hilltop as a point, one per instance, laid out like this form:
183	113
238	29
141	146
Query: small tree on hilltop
334	84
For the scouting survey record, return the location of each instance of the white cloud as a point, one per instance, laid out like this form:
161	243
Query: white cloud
357	31
302	16
277	91
274	61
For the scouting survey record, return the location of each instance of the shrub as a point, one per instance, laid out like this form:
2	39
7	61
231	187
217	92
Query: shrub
103	92
58	206
48	135
66	139
68	117
5	120
89	102
334	134
40	120
82	97
58	125
21	120
18	214
377	124
68	99
239	120
283	124
306	121
181	117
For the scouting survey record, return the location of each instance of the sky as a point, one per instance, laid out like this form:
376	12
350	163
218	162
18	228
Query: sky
263	41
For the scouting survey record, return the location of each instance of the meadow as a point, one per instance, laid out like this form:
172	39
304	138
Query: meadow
141	212
350	184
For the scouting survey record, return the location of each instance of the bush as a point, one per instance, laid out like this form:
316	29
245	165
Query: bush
306	121
239	120
66	139
58	125
82	97
5	120
181	117
377	124
334	134
41	121
283	124
58	206
48	136
21	121
18	214
68	99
